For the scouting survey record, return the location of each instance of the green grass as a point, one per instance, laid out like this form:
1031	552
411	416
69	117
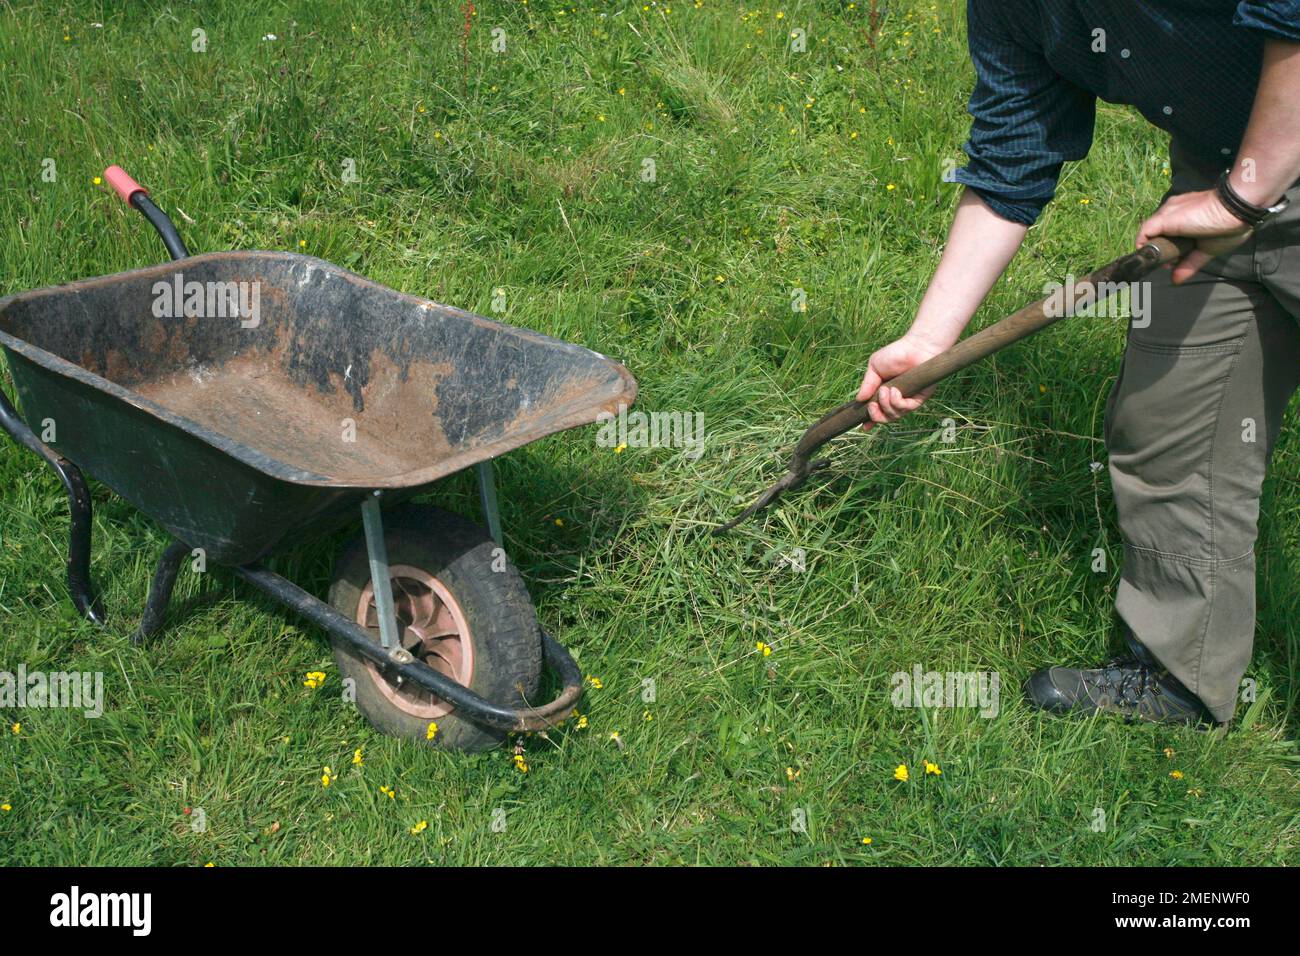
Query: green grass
521	171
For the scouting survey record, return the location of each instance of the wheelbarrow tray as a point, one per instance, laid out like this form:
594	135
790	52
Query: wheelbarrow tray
236	435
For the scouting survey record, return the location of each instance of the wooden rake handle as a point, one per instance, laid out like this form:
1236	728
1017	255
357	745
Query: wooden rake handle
1092	288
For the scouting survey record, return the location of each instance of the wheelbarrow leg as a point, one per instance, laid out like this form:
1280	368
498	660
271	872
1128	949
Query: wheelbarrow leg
380	579
160	591
487	493
79	586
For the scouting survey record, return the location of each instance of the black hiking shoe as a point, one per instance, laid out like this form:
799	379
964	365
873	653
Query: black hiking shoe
1133	687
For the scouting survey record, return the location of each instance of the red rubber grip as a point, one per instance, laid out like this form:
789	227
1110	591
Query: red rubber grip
120	180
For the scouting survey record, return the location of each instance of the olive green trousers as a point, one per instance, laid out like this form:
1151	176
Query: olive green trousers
1190	427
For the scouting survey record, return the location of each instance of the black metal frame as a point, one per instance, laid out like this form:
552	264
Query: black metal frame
158	219
396	663
79	584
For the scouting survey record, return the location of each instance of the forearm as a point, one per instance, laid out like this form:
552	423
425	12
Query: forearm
1268	162
981	244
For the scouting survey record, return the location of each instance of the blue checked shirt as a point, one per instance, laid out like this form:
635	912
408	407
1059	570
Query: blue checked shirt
1191	67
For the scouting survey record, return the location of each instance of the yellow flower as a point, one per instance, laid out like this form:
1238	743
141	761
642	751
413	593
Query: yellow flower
900	772
420	827
520	763
933	768
600	117
853	135
866	841
302	243
314	679
621	448
559	522
389	792
792	774
780	15
327	777
582	722
97	180
649	716
208	864
594	681
622	91
763	649
891	187
1176	774
1042	389
16	728
613	735
431	731
356	757
5	807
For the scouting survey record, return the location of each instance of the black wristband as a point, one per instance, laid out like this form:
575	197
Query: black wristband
1247	212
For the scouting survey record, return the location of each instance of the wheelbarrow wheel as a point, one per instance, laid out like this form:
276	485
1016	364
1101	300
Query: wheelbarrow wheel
461	608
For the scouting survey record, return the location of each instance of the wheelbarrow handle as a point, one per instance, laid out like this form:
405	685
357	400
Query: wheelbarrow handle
133	194
996	337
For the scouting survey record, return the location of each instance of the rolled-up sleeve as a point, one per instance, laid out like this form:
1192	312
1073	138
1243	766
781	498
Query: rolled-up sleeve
1278	18
1027	120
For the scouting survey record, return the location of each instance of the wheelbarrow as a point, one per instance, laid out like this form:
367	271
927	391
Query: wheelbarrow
250	401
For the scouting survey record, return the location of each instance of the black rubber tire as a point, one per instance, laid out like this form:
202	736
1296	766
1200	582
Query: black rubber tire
502	621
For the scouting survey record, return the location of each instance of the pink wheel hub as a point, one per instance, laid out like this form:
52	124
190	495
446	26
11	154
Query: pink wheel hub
432	627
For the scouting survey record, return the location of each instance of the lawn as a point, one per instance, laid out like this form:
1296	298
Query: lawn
739	203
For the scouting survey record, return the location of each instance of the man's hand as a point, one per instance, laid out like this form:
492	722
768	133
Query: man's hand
889	404
1199	215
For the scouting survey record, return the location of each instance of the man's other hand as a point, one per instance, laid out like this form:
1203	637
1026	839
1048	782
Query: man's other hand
1201	216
